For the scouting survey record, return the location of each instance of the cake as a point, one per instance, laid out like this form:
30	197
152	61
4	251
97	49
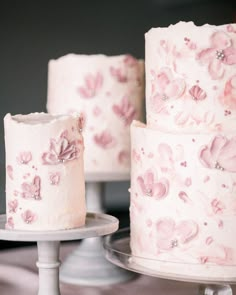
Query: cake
45	187
108	92
183	163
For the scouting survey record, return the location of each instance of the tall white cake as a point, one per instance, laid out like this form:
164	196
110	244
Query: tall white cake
45	187
108	92
183	164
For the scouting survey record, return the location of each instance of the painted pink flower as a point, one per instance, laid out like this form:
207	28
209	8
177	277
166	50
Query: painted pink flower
61	151
24	158
55	178
10	171
28	216
118	74
197	93
219	154
217	206
92	85
152	187
10	223
228	97
220	53
125	110
12	206
105	140
129	60
32	190
124	157
171	235
165	87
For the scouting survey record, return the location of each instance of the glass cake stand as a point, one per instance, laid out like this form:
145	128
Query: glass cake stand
48	244
117	251
97	270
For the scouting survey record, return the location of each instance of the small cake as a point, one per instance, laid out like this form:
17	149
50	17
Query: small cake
183	164
45	187
108	92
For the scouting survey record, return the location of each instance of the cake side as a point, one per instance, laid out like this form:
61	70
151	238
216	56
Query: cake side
191	77
45	187
108	91
183	207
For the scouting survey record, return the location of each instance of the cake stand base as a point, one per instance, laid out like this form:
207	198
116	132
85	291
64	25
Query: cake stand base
117	251
48	243
87	265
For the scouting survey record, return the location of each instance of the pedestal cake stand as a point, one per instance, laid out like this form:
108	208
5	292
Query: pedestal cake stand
48	243
117	251
97	270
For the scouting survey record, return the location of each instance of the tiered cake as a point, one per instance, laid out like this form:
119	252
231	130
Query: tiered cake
45	188
183	166
108	92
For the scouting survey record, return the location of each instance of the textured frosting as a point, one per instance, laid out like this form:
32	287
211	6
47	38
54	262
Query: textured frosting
45	187
191	77
183	206
108	92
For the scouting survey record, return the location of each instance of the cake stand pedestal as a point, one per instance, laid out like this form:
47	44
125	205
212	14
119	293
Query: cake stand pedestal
48	243
96	270
117	251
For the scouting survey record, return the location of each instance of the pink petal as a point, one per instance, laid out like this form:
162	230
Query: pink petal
206	55
182	118
165	228
227	156
161	189
149	179
217	144
216	69
230	56
84	92
175	89
187	230
220	40
164	78
90	82
206	158
140	181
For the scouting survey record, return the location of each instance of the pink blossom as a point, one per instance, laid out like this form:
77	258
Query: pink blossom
197	93
171	235
165	87
217	206
228	97
118	74
10	171
12	206
92	85
220	53
61	151
24	158
152	187
54	178
28	216
32	190
219	154
10	223
105	140
125	110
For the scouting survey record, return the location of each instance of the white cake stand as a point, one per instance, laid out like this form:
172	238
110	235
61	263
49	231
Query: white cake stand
48	243
97	270
118	251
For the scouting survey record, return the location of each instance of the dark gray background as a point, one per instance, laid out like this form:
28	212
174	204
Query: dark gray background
32	32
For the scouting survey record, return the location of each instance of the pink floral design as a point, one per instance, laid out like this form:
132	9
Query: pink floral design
152	187
165	87
105	140
92	85
55	178
10	171
126	111
61	151
10	223
32	190
118	74
171	235
228	98
12	206
219	154
220	53
197	93
217	206
129	60
24	158
28	216
124	157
